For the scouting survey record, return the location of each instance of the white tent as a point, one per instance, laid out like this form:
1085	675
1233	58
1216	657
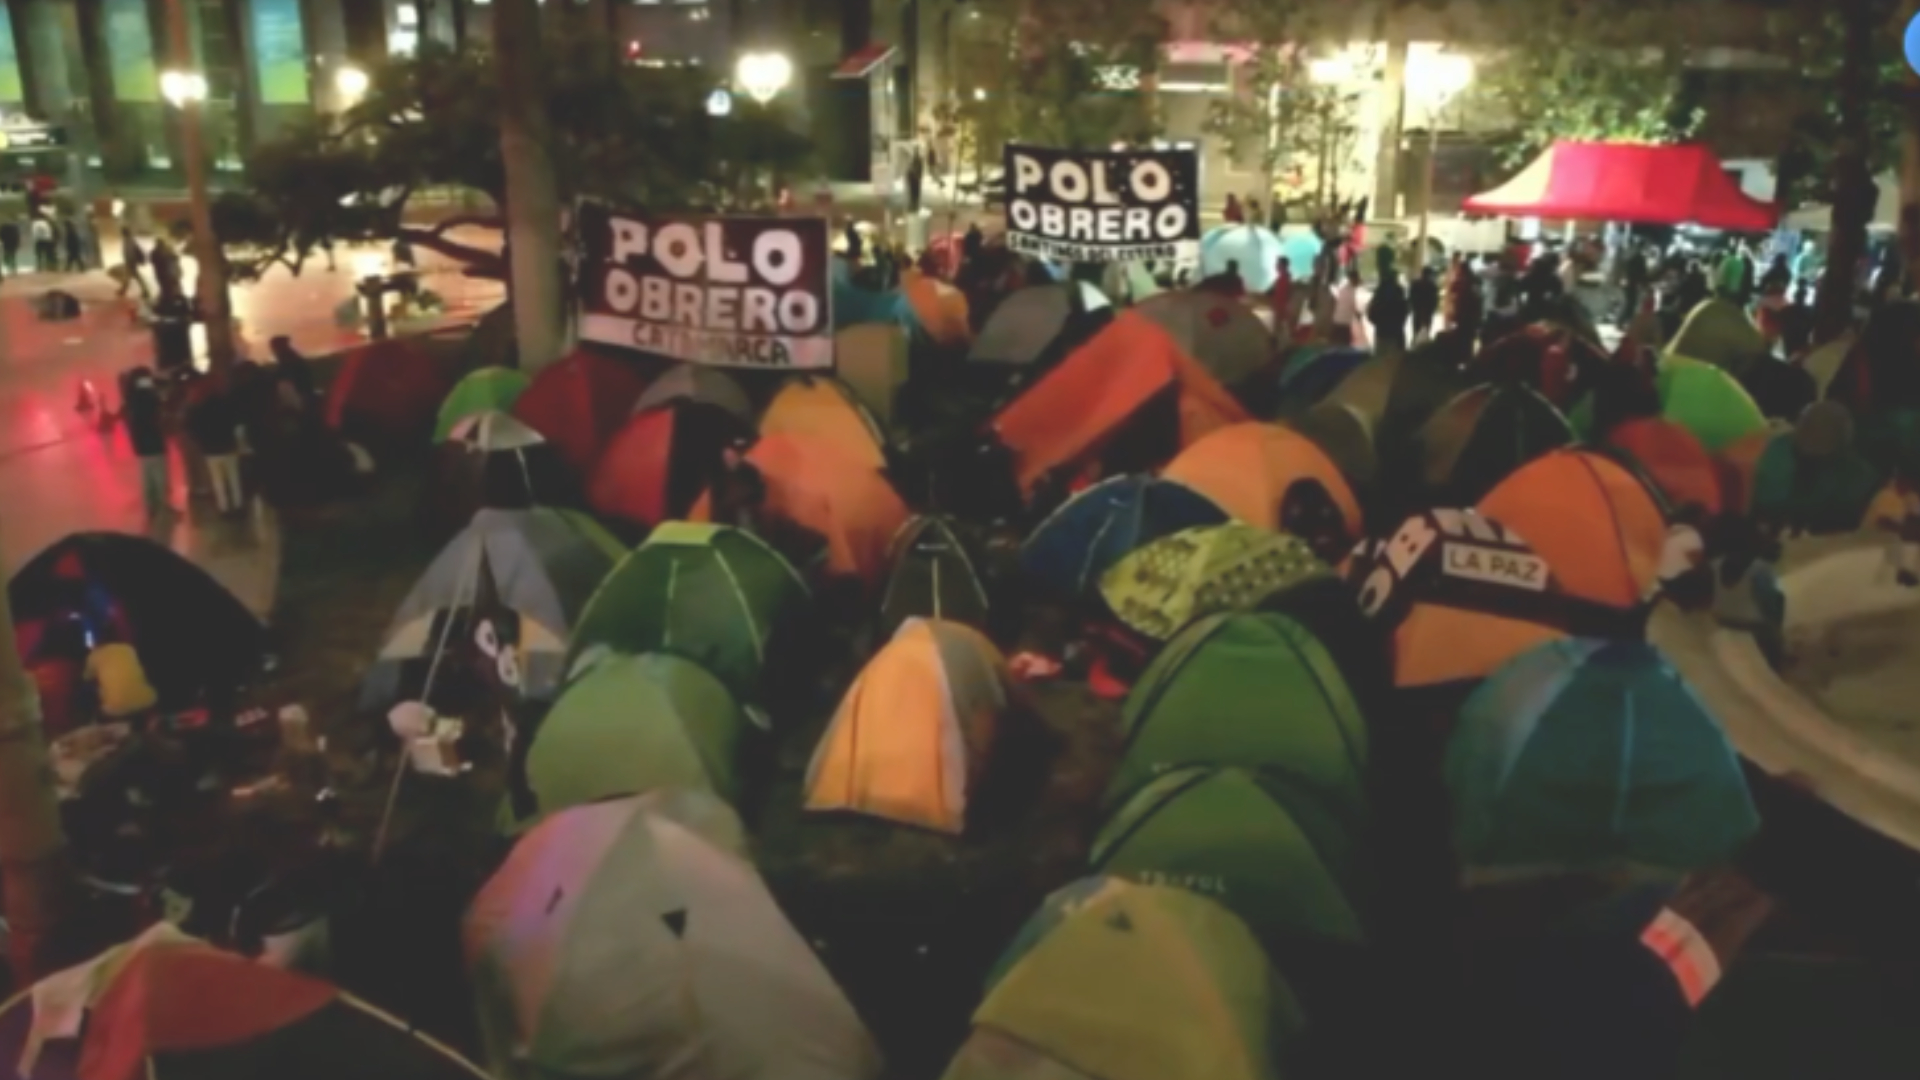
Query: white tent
617	944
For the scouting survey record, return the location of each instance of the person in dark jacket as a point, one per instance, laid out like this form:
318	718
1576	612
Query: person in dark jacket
144	416
1424	299
133	258
1387	312
293	367
10	245
75	245
166	270
213	424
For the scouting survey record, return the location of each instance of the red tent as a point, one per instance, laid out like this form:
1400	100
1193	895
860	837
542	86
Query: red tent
579	402
388	389
1645	185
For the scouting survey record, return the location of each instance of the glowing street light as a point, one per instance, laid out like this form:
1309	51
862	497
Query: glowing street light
351	84
979	93
719	102
764	75
183	88
1330	70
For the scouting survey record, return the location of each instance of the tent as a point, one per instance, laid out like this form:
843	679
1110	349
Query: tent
855	305
1040	323
1346	437
166	1006
872	360
1311	373
627	725
388	391
1248	690
527	574
193	637
487	389
1780	389
815	487
1707	401
617	943
1218	332
1098	400
1738	464
494	341
578	402
1118	981
713	594
938	309
1162	586
1262	846
489	460
1479	438
1634	183
1598	528
1669	456
1254	250
696	384
1816	492
1275	478
915	732
932	577
1078	542
1588	753
1718	332
821	408
1397	392
655	467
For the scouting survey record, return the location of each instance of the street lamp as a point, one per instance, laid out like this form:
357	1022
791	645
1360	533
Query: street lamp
764	75
351	84
1434	79
183	88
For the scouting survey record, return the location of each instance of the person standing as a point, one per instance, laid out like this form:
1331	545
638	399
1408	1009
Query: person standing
76	245
1387	311
916	179
1280	301
1424	299
1231	213
145	418
46	256
10	245
133	261
1346	309
1633	283
1731	273
166	270
213	423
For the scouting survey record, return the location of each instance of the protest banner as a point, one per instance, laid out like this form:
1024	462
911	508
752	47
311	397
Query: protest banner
1101	206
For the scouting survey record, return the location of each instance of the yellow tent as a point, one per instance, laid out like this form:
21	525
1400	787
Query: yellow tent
821	407
912	735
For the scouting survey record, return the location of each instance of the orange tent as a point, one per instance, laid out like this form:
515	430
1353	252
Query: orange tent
822	408
940	308
579	402
1597	527
1080	405
1673	458
1250	468
1738	462
816	486
658	464
914	732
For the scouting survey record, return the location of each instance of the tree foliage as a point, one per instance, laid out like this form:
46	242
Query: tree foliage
1817	46
1032	72
1277	117
623	133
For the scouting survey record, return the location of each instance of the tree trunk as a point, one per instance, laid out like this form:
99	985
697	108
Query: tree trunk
38	887
533	197
599	19
1853	191
1910	161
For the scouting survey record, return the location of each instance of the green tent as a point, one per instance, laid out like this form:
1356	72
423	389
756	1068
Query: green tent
487	389
627	725
1249	690
1122	981
1159	588
1825	494
1708	402
713	594
1481	437
1264	847
1717	332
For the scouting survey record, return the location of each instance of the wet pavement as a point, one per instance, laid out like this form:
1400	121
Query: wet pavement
60	474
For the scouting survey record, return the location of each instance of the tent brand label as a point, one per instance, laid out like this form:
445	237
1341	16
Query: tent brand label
748	292
1495	566
1097	206
1204	884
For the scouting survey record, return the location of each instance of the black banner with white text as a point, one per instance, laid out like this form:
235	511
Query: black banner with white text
1101	206
745	292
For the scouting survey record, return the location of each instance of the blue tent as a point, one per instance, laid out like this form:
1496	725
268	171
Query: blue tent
1302	249
854	305
1582	753
1254	247
1312	373
1094	529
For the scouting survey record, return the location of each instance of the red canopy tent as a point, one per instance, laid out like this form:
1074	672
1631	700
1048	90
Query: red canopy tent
1644	185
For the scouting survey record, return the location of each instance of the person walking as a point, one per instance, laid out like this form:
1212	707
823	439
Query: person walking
133	262
76	245
1424	299
46	257
144	416
213	423
1731	274
1346	309
1387	312
166	270
10	246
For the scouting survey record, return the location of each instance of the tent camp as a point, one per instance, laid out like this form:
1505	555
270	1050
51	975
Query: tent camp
1129	392
490	461
1668	456
617	943
1250	690
932	577
872	361
578	402
1598	528
821	408
939	310
1080	541
1184	993
915	732
1254	251
696	384
1589	753
711	593
1480	437
656	465
193	637
627	725
1345	435
1707	401
1218	332
166	1006
1161	587
526	575
487	389
1718	332
1275	478
388	391
1040	324
1312	371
